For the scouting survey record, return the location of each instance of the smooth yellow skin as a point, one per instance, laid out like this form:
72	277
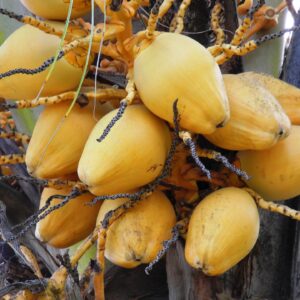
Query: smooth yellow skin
28	47
69	224
257	120
174	67
275	172
132	155
56	9
136	237
223	229
287	95
57	142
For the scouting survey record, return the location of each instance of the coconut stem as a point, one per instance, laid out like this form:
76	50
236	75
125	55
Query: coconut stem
219	157
158	10
99	273
41	210
276	35
12	159
131	93
179	229
67	48
74	193
102	96
187	139
53	183
215	24
43	26
273	207
179	21
17	136
37	70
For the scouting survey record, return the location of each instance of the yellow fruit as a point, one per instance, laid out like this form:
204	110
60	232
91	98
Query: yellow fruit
275	172
57	142
68	224
257	120
56	9
286	94
132	155
30	48
222	231
186	71
136	237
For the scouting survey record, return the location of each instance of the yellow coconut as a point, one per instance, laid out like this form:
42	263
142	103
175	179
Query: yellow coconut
222	231
275	173
287	94
136	237
69	224
57	142
257	120
186	71
57	9
132	155
29	47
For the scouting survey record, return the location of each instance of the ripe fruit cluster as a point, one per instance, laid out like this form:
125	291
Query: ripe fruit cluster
125	151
